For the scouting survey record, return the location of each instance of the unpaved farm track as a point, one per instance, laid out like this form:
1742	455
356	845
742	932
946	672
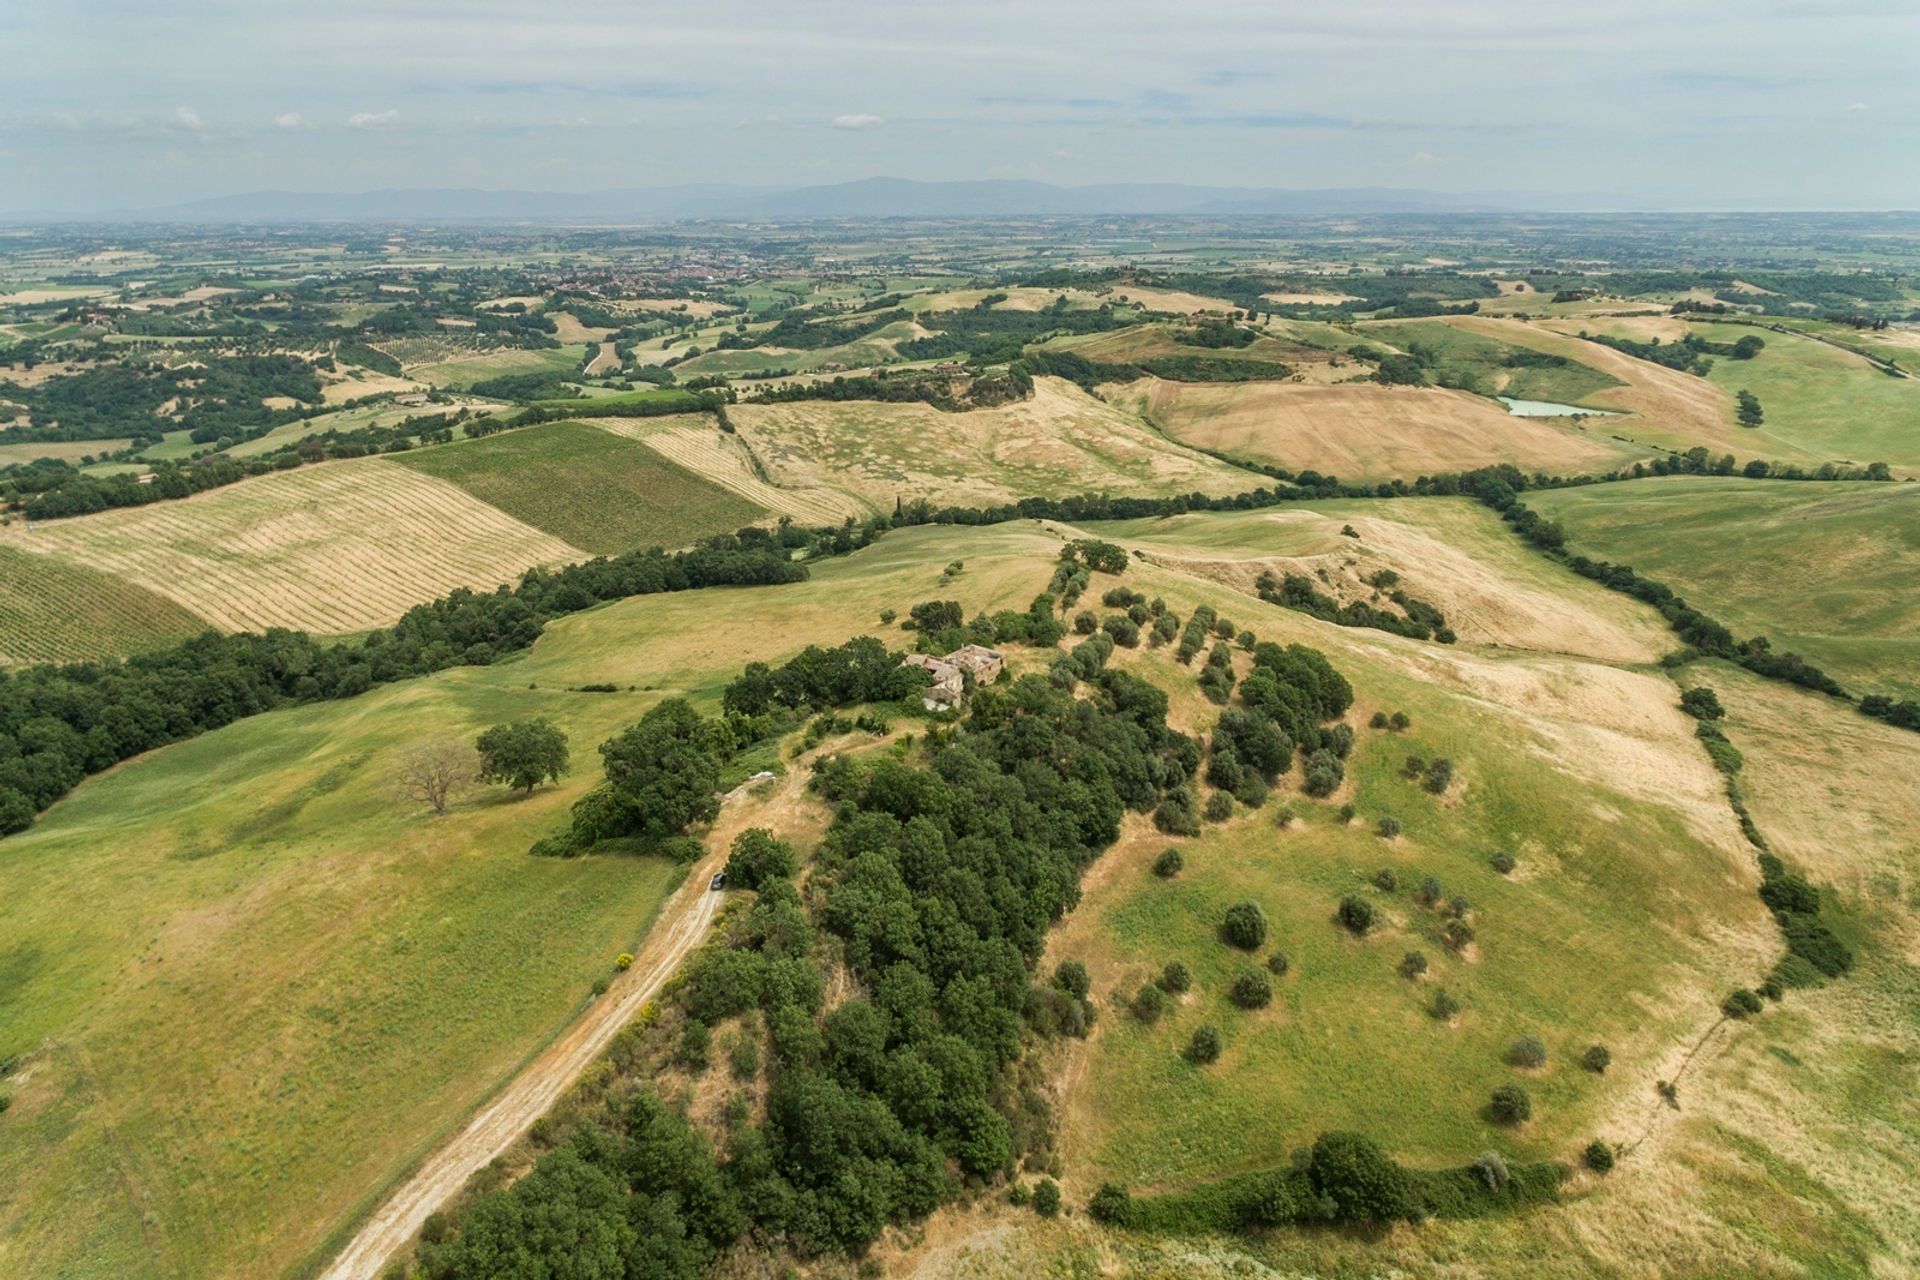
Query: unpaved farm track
684	922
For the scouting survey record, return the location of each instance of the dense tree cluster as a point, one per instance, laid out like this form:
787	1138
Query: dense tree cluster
1417	618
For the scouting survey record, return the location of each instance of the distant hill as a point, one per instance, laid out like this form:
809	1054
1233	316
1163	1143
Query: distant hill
867	198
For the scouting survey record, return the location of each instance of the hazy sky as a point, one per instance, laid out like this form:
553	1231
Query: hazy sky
1732	102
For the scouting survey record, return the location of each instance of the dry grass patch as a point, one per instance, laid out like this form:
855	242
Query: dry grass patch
1361	430
696	443
334	548
1060	441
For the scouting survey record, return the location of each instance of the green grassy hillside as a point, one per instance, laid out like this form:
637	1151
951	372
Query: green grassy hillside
1824	569
57	611
593	489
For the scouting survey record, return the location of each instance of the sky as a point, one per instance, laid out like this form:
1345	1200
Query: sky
114	105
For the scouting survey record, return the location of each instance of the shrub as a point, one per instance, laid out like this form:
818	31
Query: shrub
1491	1168
1324	773
1111	1204
1245	926
1503	863
1457	934
1387	879
1702	704
623	961
756	858
1278	964
1378	721
1741	1004
1356	914
887	616
1175	816
1439	775
1251	990
694	1040
1527	1051
1149	1004
1175	979
1510	1105
1019	1196
1598	1156
1388	828
1444	1006
1219	807
1347	813
1429	891
1400	721
1046	1198
1413	964
1071	977
744	1056
1168	864
1458	906
1414	767
1283	816
1205	1045
1597	1059
1085	623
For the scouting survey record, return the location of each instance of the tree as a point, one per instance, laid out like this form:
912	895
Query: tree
1527	1051
1071	977
1358	1180
1503	863
1252	989
522	754
433	772
1388	827
1356	913
1205	1045
1702	704
1413	964
1597	1059
1510	1105
1175	978
1749	412
756	858
16	811
1168	864
1245	926
1598	1156
665	770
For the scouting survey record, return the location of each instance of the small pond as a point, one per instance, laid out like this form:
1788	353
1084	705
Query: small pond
1548	409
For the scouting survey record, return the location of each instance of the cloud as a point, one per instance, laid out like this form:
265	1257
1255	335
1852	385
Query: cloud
371	119
288	120
1858	106
858	122
189	119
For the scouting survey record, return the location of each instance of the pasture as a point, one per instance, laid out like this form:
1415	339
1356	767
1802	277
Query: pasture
334	548
589	488
1826	570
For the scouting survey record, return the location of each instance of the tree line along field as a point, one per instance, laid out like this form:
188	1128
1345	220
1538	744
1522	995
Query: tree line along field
1822	569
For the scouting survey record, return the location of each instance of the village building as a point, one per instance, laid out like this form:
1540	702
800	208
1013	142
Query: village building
950	673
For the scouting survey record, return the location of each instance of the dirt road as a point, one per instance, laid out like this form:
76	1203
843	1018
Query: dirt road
683	924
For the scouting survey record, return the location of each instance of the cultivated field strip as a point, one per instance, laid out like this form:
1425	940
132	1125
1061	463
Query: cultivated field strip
694	442
55	611
334	548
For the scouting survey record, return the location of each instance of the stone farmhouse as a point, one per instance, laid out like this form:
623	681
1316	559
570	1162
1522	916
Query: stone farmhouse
950	673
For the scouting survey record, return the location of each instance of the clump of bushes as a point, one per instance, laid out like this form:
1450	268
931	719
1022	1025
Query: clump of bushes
1219	807
1356	913
1503	862
1444	1006
1386	879
1510	1105
1439	775
1169	864
1430	892
1149	1004
1245	926
1598	1156
1205	1045
1741	1004
1046	1198
1388	827
1413	964
1278	964
1597	1059
1175	978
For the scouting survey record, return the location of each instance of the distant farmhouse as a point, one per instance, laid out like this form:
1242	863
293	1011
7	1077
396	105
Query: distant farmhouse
950	673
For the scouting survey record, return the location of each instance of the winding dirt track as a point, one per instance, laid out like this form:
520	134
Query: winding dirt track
683	923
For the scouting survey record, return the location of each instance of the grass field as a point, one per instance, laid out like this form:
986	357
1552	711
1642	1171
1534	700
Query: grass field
461	374
52	611
1060	441
1364	431
334	548
65	450
1826	570
1156	341
1823	401
696	442
587	487
378	415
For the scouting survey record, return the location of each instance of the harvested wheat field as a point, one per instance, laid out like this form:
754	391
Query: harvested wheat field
1361	430
1061	441
334	548
693	441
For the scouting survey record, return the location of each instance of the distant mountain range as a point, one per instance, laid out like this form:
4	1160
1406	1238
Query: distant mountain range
868	198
